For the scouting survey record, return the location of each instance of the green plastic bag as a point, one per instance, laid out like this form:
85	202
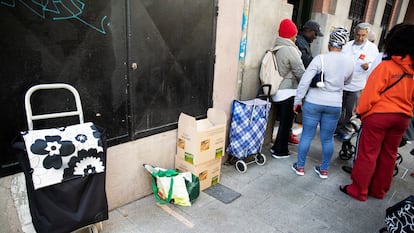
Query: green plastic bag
193	187
171	186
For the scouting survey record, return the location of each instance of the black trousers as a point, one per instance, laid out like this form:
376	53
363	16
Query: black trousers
284	110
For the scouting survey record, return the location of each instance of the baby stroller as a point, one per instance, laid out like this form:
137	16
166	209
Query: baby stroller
64	169
247	130
348	150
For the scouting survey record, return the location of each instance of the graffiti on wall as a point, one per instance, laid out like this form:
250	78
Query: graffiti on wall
58	9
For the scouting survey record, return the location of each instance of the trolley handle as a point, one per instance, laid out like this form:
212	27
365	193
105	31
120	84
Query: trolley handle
28	108
266	94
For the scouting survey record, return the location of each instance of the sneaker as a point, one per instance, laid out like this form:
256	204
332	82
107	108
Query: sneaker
323	174
293	139
279	156
300	171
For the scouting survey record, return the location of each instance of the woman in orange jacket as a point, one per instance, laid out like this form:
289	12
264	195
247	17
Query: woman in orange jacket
385	107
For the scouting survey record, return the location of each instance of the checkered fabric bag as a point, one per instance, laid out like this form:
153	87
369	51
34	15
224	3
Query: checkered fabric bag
248	127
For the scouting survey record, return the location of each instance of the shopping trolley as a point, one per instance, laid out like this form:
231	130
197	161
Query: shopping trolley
247	131
64	169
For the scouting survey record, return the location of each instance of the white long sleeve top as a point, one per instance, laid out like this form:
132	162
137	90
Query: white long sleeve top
338	69
364	53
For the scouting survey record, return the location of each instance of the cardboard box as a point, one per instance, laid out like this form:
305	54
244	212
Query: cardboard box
208	172
199	141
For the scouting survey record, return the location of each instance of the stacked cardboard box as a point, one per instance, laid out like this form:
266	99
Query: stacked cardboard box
200	146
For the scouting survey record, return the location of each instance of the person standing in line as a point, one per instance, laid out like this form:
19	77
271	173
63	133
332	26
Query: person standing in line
363	53
291	69
309	32
322	105
385	107
381	56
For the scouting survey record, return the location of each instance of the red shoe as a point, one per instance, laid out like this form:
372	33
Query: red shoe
293	139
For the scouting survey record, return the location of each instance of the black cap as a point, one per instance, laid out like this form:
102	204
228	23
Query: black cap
314	26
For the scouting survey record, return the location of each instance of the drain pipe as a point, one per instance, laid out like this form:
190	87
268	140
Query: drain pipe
243	45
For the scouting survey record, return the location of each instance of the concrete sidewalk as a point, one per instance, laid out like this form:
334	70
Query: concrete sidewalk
273	199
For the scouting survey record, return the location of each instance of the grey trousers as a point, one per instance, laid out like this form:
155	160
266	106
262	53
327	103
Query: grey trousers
349	102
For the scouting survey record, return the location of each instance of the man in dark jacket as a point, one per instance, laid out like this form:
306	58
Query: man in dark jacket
310	31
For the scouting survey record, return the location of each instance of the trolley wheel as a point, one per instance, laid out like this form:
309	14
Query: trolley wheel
99	226
241	166
260	159
232	160
93	229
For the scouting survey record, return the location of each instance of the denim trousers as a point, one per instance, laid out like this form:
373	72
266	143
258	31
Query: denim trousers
327	118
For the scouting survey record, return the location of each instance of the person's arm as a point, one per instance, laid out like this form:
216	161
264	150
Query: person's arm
313	68
297	65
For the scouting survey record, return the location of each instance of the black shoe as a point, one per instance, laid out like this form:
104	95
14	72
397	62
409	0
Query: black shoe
344	189
279	155
347	169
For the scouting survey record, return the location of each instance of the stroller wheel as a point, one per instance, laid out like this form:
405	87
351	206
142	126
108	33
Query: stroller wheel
399	159
351	150
260	159
345	154
241	166
397	162
395	170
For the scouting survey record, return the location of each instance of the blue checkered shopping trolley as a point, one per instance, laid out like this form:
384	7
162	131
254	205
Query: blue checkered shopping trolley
247	131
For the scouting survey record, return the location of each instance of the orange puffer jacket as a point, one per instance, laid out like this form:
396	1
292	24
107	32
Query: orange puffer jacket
397	99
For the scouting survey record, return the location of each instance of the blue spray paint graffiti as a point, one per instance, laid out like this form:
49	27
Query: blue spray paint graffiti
243	40
64	10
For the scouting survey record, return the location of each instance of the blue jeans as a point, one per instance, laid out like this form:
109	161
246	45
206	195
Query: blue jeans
327	117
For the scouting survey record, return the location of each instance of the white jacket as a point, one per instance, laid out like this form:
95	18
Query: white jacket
368	51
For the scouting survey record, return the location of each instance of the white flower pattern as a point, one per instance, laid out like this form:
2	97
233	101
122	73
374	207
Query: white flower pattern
88	165
72	151
53	148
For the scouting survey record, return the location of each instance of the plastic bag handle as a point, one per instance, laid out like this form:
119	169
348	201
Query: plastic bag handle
160	173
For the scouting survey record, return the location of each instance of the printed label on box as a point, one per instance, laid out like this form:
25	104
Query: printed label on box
181	143
189	157
219	152
214	180
205	145
208	172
